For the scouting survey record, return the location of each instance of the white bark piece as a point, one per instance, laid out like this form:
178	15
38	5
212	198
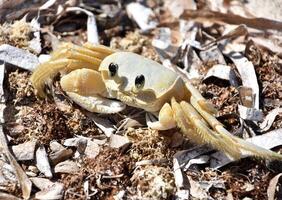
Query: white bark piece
143	16
24	151
53	192
41	183
92	149
42	162
117	141
18	57
68	167
181	181
250	113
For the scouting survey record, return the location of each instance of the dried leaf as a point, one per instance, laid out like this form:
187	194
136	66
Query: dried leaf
196	190
177	7
42	162
68	167
143	16
269	119
272	187
223	72
248	75
92	149
117	141
18	57
24	151
181	181
58	153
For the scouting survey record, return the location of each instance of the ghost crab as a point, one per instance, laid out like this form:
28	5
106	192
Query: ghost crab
97	75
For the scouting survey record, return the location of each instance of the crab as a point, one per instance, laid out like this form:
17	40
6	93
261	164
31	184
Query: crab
104	80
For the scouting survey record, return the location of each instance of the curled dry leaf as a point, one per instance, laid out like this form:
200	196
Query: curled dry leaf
248	75
223	72
80	143
269	119
272	187
92	31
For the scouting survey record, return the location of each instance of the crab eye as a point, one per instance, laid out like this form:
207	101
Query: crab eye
139	81
113	69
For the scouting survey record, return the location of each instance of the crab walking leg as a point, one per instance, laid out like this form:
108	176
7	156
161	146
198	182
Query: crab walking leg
166	119
192	125
245	147
99	48
49	69
74	51
87	89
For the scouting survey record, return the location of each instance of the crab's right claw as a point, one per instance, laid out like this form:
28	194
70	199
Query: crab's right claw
86	88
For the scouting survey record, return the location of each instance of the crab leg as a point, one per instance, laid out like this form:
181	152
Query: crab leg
192	125
67	58
243	146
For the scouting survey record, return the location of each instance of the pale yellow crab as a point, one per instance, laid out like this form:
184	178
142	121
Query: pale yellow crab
104	81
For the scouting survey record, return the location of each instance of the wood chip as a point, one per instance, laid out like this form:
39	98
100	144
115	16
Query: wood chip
117	141
67	167
58	153
25	151
42	162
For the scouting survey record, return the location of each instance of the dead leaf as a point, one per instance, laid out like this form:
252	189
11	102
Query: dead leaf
18	57
272	187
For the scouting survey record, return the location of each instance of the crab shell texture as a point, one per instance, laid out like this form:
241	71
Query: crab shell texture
159	85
